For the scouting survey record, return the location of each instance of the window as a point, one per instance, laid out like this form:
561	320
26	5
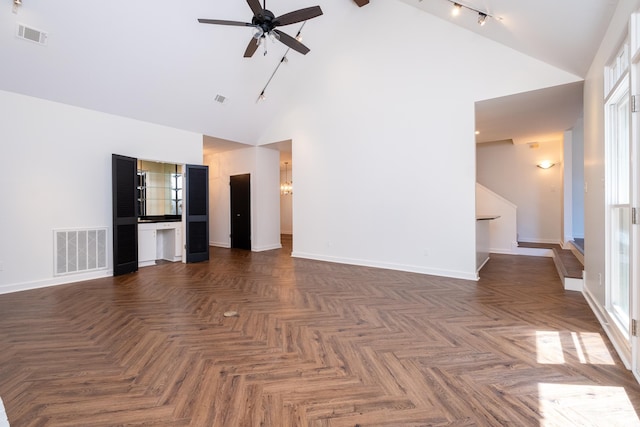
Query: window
617	162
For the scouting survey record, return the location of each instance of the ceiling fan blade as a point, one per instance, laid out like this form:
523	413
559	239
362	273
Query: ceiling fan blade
298	16
223	22
252	47
255	6
292	43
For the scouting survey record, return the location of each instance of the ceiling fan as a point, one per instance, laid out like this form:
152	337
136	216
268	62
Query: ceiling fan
265	23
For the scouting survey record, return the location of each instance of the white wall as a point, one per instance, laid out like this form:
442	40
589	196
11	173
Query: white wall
384	138
594	171
573	182
503	230
262	164
577	178
567	188
266	191
510	170
57	174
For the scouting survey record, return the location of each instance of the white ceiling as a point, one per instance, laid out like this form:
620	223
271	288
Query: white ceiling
563	33
537	116
151	60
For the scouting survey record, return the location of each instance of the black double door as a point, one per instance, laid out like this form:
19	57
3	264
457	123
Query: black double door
240	189
124	175
197	214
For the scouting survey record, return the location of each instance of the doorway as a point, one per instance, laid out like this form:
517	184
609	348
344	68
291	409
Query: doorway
240	190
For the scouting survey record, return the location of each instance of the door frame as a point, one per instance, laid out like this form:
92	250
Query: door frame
235	242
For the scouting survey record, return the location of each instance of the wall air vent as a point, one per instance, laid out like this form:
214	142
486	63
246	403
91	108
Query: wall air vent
79	250
31	34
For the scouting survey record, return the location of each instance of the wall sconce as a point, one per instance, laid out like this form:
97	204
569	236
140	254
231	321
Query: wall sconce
545	164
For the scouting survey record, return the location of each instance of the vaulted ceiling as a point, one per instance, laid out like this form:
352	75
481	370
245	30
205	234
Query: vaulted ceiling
151	60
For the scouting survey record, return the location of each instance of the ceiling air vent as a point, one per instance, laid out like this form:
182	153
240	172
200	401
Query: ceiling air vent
31	34
221	99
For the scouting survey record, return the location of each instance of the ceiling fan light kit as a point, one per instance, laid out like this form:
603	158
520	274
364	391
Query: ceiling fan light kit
265	23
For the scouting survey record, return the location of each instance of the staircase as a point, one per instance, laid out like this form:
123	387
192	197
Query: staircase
503	239
570	267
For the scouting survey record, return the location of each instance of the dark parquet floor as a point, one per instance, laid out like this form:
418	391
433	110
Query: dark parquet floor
313	344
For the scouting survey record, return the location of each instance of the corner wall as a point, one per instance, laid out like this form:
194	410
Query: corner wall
385	144
57	174
262	164
510	170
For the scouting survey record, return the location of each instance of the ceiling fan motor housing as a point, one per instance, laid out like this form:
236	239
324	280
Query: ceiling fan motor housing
265	21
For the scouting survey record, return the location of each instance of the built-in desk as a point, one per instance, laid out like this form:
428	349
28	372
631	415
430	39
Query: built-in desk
482	239
159	240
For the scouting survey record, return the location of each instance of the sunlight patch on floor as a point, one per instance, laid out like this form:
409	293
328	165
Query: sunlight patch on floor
549	347
585	405
554	347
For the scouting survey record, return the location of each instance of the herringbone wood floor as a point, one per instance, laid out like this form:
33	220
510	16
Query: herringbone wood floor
314	343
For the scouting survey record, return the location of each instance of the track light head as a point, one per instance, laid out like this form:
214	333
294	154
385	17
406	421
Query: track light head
456	9
482	18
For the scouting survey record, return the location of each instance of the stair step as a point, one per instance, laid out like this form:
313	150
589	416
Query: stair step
568	265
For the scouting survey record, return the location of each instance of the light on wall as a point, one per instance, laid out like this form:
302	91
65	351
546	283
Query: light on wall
286	188
545	164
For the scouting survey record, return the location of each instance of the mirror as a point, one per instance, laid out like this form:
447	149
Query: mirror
159	189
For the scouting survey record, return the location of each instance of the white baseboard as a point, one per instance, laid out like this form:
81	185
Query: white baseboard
573	284
579	256
266	248
220	244
55	281
389	266
536	240
622	348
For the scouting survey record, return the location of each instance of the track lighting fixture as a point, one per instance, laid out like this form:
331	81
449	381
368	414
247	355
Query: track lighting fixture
482	16
16	5
284	60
